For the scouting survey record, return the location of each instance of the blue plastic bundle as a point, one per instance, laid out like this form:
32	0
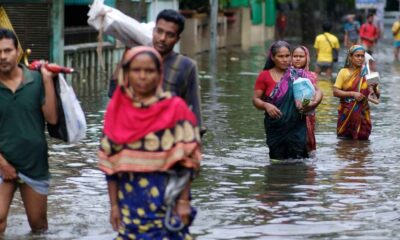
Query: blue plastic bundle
303	91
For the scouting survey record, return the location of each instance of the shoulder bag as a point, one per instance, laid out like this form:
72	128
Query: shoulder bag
335	52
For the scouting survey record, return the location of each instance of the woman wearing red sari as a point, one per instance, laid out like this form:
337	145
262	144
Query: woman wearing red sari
354	120
301	60
149	138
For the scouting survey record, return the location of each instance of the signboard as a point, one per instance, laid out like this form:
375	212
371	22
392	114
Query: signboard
365	4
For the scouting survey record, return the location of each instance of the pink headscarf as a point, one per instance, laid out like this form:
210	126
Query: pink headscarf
131	54
308	74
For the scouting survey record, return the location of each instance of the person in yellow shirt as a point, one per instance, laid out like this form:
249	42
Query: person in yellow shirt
396	35
354	92
324	45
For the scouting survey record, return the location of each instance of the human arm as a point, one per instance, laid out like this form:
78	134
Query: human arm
315	101
342	77
49	108
395	28
192	96
271	109
343	94
374	88
182	206
7	171
115	216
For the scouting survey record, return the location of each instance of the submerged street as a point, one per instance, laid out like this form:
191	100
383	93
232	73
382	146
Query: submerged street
349	190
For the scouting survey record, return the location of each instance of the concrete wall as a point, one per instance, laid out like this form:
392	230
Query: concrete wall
196	36
239	30
158	5
254	34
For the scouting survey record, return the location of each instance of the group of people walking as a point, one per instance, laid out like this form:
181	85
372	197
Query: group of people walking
150	150
290	129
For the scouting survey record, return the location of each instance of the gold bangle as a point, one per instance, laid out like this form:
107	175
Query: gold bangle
183	201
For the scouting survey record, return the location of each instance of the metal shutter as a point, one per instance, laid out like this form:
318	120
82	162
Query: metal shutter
31	22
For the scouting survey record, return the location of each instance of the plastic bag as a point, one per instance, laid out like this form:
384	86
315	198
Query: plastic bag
71	125
113	22
303	91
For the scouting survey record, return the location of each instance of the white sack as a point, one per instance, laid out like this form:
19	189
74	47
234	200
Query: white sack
113	22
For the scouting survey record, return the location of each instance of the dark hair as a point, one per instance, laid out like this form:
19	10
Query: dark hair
153	57
298	46
371	14
170	15
326	26
273	49
9	34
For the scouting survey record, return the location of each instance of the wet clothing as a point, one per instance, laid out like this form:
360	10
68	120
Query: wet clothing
146	137
286	136
324	48
180	78
354	119
39	186
141	142
310	117
142	208
22	125
146	141
352	29
265	82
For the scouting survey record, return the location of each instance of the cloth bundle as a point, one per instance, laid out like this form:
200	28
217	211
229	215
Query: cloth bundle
113	22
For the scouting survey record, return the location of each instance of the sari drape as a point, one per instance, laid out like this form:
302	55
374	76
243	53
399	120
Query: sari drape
286	136
142	143
354	119
310	118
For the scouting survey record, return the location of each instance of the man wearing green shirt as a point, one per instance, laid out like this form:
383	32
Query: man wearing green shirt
27	102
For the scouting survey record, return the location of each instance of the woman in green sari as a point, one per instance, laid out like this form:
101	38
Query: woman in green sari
285	126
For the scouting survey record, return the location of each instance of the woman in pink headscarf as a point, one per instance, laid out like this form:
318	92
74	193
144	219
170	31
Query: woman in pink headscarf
149	138
301	60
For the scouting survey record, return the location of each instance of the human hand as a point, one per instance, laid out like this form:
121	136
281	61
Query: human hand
358	96
273	111
115	217
7	172
46	74
183	210
310	106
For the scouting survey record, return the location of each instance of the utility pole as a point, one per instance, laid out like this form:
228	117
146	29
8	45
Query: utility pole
213	28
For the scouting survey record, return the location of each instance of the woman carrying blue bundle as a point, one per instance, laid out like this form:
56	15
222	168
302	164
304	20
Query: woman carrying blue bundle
285	125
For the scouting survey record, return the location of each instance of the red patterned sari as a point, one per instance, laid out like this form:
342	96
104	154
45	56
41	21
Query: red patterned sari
354	119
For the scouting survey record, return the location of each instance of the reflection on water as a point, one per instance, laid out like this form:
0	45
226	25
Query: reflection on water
348	191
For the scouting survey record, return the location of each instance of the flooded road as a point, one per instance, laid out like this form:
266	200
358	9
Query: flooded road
348	191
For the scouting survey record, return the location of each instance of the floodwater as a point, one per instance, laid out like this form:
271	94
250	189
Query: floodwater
349	190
